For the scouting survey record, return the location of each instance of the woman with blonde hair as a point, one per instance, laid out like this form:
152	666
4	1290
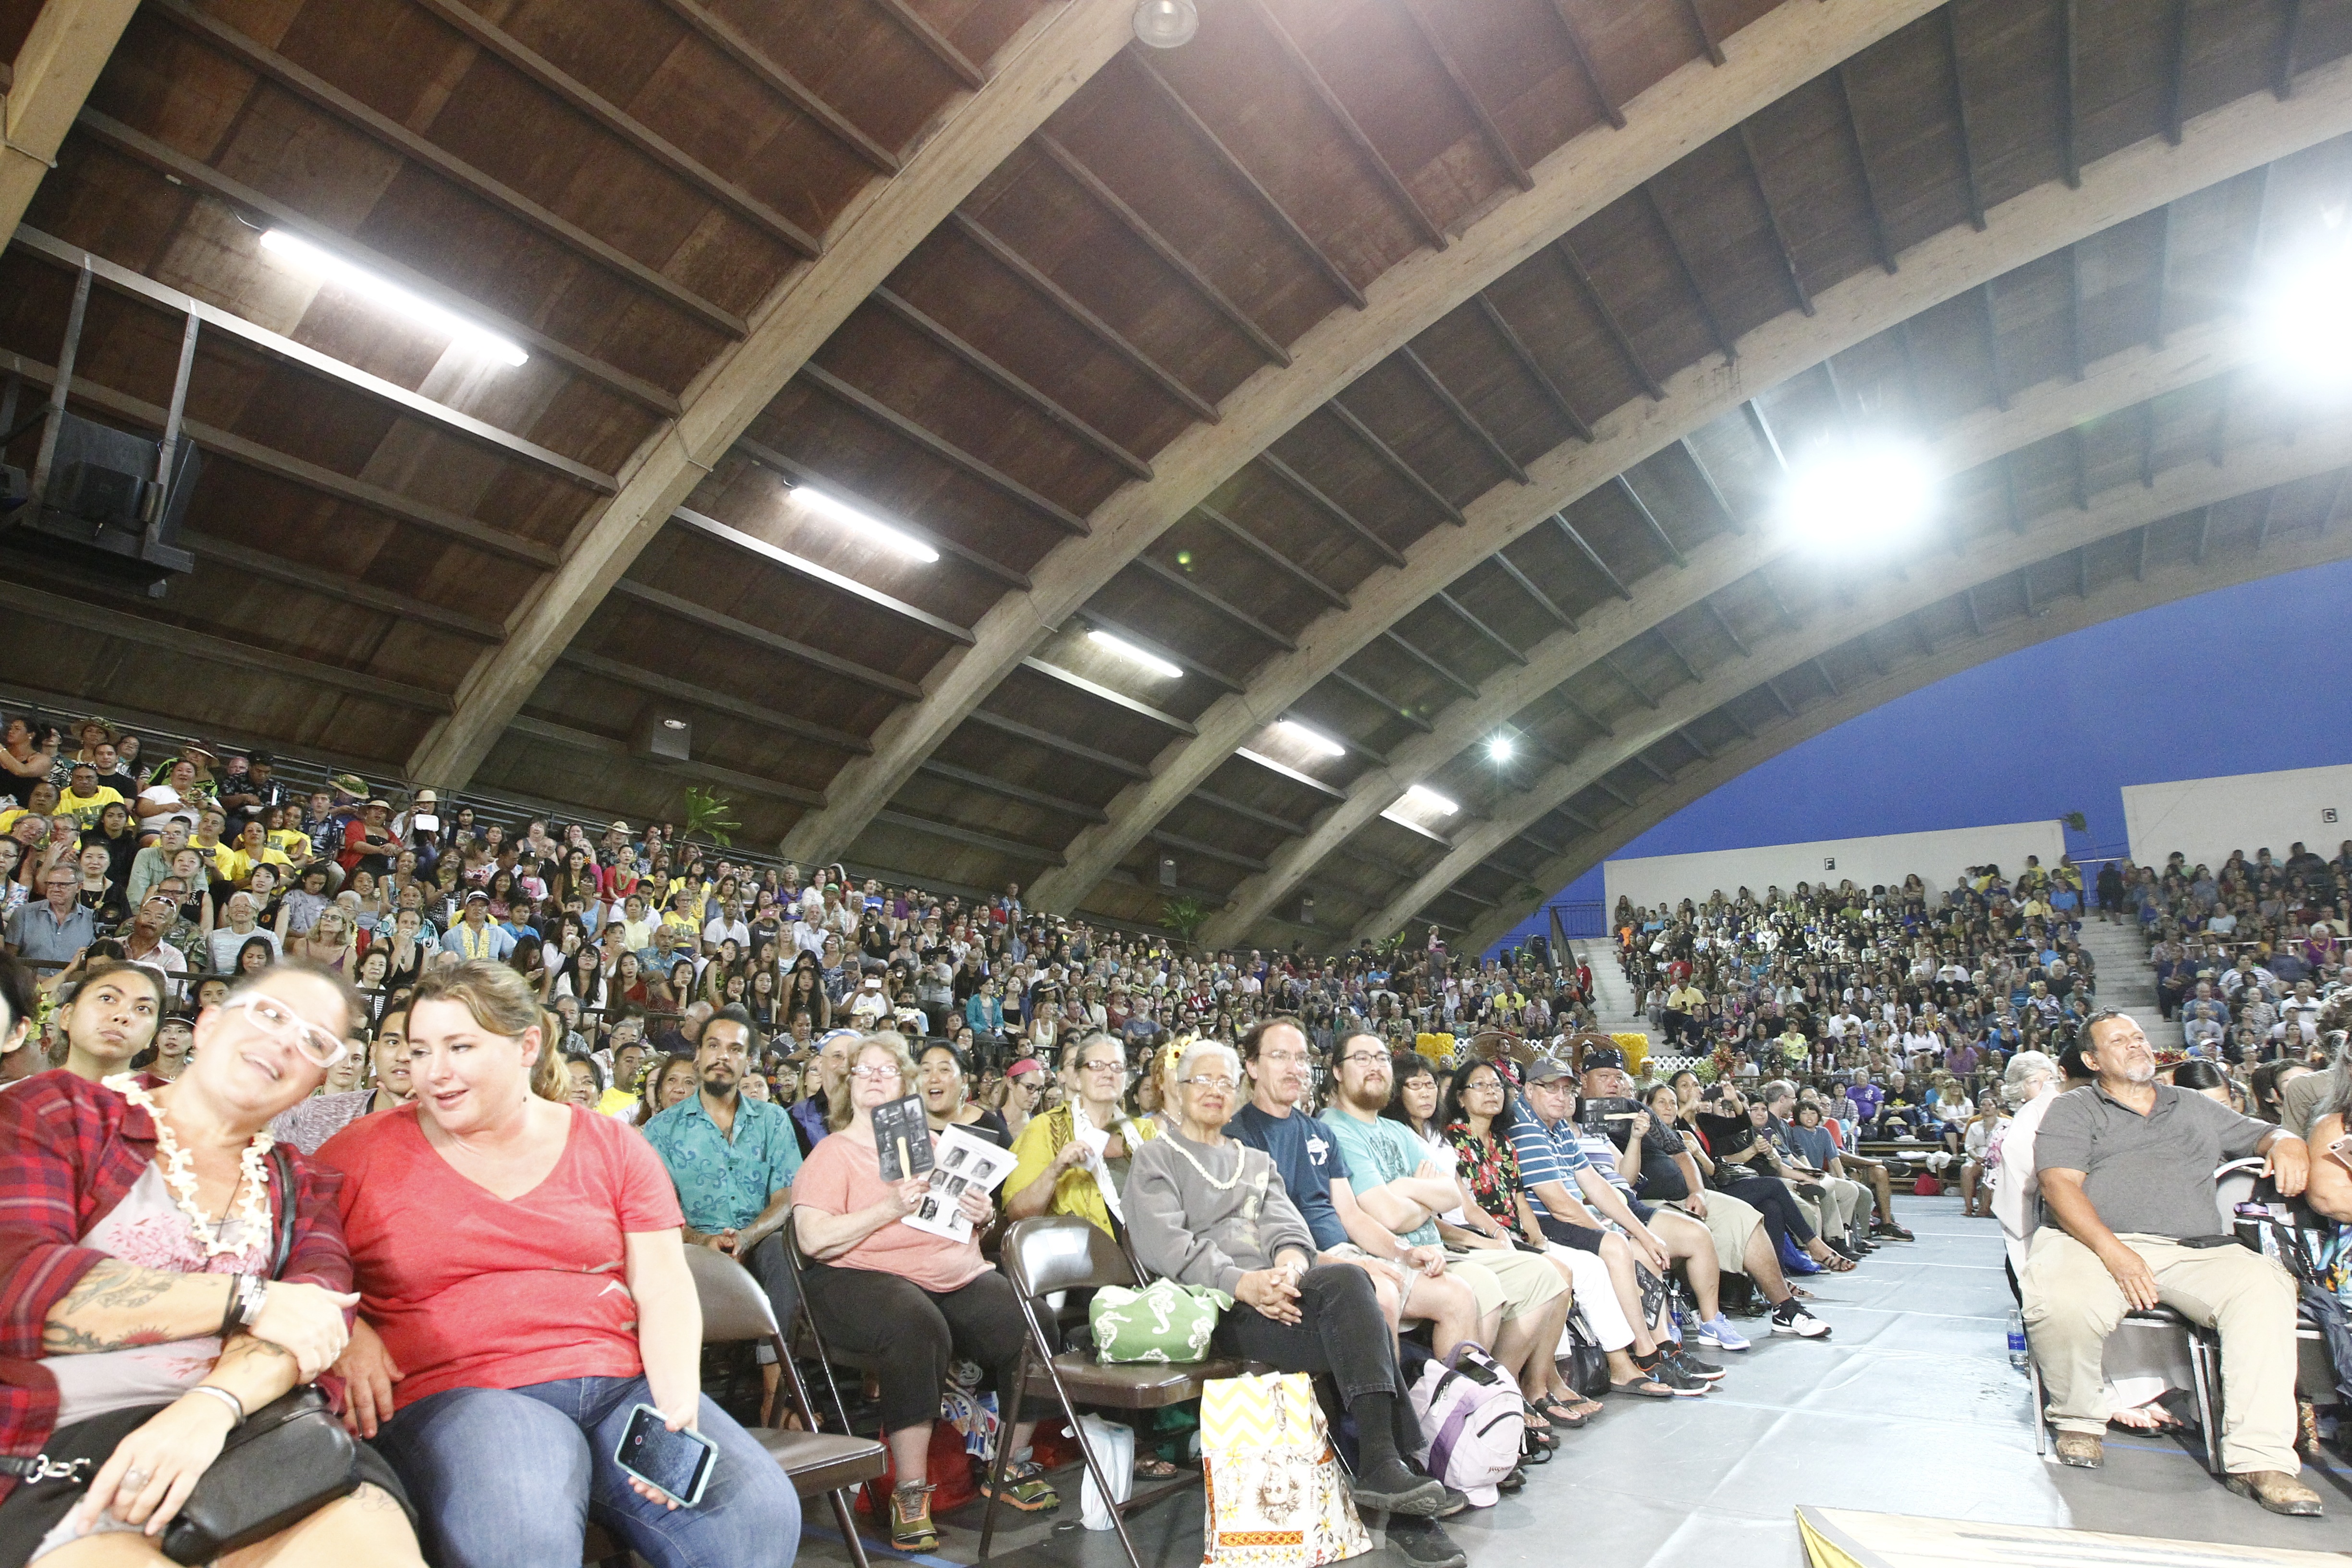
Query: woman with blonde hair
502	1349
328	942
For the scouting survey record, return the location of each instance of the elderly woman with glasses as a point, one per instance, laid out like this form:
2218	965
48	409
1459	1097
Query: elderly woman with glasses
1076	1158
915	1299
1206	1210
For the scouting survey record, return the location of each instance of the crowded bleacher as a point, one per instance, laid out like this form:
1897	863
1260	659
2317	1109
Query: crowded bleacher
1368	1163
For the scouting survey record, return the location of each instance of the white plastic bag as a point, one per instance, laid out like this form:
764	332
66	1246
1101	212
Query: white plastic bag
1113	1447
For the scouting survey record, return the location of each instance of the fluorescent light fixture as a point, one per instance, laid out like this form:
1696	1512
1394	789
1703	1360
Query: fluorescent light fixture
393	297
2303	320
1421	797
1128	650
1499	749
1322	745
874	528
1860	495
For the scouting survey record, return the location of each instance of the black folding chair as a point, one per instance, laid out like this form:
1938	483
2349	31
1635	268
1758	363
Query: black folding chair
1066	1253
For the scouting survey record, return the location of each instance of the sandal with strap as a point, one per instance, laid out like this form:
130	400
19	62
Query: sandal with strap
911	1529
1025	1488
1560	1411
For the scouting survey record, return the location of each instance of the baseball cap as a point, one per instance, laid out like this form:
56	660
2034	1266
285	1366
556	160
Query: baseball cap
1549	1069
1607	1057
478	894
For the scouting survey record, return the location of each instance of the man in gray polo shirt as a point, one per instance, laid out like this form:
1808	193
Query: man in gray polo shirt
2126	1169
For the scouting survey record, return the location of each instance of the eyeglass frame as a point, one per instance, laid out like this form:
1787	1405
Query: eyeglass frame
248	1000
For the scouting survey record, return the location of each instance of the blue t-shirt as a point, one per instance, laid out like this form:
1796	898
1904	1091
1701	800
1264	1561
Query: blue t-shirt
1307	1159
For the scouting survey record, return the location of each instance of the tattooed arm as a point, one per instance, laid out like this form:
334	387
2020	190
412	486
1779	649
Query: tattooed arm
117	1304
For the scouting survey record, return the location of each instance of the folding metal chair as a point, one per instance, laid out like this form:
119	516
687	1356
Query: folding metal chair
1063	1252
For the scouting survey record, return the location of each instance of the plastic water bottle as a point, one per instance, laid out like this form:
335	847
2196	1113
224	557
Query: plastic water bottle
2017	1355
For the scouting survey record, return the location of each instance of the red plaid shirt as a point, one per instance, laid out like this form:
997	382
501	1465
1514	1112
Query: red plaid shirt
69	1150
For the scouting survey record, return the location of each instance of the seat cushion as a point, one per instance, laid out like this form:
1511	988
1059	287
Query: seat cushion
1129	1385
822	1461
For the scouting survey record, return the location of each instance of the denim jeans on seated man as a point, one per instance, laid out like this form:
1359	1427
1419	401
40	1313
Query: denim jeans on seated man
510	1478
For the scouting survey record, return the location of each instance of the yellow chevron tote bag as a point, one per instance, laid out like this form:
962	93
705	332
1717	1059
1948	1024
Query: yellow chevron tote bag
1276	1497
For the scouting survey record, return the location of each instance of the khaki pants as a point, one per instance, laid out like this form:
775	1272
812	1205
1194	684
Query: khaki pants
1729	1224
1517	1281
2072	1304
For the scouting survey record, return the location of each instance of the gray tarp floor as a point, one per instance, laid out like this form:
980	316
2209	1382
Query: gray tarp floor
1910	1408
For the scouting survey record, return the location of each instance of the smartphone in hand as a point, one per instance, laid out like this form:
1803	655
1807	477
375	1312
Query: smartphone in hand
676	1463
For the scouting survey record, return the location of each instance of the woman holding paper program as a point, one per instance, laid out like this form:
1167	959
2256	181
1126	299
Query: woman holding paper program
1073	1159
882	1286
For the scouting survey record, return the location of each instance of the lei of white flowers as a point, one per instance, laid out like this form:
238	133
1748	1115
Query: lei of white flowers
180	1175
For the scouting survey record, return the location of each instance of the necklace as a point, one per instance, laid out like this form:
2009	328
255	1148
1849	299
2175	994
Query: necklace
180	1175
1227	1186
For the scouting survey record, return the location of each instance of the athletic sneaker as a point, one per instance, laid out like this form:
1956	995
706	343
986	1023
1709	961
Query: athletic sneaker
1690	1366
1718	1331
1790	1318
1684	1385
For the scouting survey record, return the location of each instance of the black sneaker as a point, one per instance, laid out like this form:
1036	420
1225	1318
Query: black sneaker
1455	1502
1424	1543
1690	1366
1392	1487
1842	1250
1513	1482
1684	1385
1790	1318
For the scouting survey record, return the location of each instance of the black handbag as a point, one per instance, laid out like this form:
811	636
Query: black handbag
1586	1364
283	1463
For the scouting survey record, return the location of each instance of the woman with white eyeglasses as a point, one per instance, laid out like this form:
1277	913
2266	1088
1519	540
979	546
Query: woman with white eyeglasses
167	1272
917	1299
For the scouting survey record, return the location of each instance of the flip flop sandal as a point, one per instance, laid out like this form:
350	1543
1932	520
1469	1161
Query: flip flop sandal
1644	1388
1155	1468
1539	1430
1553	1409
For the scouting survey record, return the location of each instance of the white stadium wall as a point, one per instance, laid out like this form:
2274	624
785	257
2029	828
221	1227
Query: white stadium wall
1938	857
2207	818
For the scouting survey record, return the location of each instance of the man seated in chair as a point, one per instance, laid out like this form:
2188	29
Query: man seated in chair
2126	1165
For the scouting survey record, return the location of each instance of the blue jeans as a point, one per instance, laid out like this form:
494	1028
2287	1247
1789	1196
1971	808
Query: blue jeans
508	1478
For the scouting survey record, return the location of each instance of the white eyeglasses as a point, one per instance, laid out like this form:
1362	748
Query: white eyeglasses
278	1022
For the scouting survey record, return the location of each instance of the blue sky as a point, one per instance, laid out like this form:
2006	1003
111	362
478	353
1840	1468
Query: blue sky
2242	680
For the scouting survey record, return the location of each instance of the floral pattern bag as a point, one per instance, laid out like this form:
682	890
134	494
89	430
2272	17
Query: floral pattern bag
1165	1322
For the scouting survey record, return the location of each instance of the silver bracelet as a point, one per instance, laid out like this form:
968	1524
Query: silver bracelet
236	1406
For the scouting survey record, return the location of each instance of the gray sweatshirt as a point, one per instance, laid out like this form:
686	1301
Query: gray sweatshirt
1185	1227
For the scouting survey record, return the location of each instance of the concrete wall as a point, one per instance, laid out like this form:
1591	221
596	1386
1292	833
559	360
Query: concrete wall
2207	818
1936	857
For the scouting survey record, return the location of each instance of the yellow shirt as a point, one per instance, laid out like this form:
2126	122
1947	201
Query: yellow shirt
1073	1190
84	808
237	866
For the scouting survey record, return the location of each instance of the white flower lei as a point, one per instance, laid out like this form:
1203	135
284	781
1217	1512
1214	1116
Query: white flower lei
180	1175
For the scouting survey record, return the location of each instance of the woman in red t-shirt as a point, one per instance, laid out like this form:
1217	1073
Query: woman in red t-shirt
917	1299
524	1284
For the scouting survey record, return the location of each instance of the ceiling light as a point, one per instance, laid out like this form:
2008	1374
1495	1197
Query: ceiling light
1854	496
874	528
393	297
1320	745
1499	749
1421	797
1166	24
2303	319
1128	650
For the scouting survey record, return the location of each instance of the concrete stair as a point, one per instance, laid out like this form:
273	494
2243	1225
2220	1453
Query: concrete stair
2126	979
1614	1006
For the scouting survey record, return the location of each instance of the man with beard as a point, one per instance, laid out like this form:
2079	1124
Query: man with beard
732	1159
2127	1171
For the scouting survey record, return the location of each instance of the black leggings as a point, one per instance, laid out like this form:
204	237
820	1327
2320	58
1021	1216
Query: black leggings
1340	1330
1772	1198
917	1332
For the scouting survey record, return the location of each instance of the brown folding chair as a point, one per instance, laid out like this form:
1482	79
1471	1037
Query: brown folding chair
1063	1252
734	1308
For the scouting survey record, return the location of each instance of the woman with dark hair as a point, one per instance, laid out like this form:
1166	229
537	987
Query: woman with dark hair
258	955
111	1018
2204	1078
672	1080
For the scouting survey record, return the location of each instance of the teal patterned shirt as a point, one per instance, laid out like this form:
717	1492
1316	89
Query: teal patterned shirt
724	1183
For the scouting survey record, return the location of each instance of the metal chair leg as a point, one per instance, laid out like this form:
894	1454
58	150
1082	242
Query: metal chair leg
1012	1417
2205	1365
846	1517
2041	1410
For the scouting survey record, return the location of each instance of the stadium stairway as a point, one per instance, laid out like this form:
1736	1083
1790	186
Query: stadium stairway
2126	979
1614	1006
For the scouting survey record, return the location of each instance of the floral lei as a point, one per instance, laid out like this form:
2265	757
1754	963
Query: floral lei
180	1175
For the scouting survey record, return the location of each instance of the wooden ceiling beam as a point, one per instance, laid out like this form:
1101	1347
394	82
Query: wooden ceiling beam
1388	708
346	590
295	470
1585	716
1613	793
1396	464
1577	274
1460	413
1374	158
1070	305
1723	624
1323	503
1578	540
1496	143
1707	37
1053	743
942	448
1991	318
1657	531
1964	132
183	643
1689	274
1012	848
1101	693
1574	35
800	565
2070	153
1247	813
1641	694
1529	364
934	42
694	695
1206	850
797	473
43	88
1429	663
622	126
2176	70
1862	161
1731	518
721	35
1786	251
760	637
199	176
988	783
1024	391
2283	62
1273	557
1643	761
1526	585
573	738
1183	583
1174	656
1159	245
1239	171
427	154
1676	649
1462	612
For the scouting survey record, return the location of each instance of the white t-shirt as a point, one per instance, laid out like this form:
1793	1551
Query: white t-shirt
165	794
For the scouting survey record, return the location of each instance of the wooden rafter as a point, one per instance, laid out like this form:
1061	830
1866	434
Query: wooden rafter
1689	274
1786	251
1496	143
1584	58
800	473
1650	520
1964	132
1862	161
1387	455
1464	614
721	35
681	608
1429	662
699	695
1183	582
1273	557
1586	550
1460	413
942	448
1529	364
1609	321
1526	585
800	565
1323	503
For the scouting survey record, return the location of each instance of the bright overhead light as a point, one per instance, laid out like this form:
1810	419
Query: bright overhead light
1499	749
1320	745
1857	495
393	297
1128	650
874	528
2303	319
1166	24
1421	797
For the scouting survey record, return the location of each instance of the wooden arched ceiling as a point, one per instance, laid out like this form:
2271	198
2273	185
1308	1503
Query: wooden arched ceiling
1272	355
